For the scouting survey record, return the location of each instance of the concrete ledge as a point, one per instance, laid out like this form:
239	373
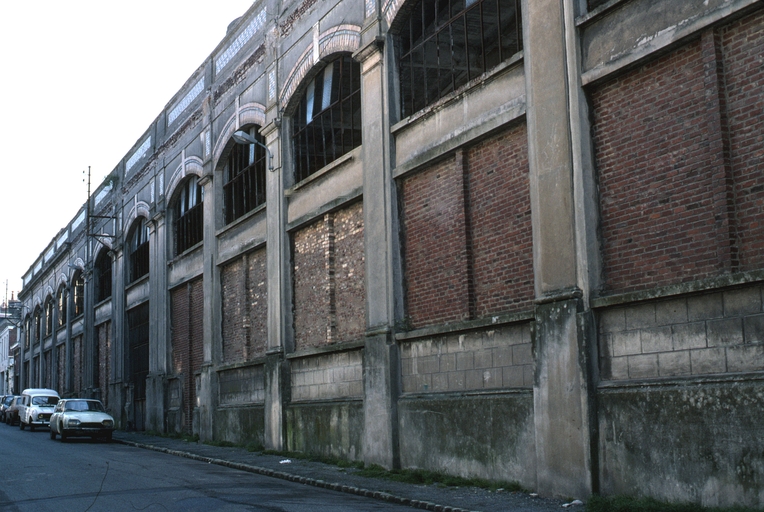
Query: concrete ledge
456	327
679	289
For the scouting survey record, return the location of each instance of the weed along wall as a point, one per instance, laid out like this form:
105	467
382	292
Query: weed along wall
498	239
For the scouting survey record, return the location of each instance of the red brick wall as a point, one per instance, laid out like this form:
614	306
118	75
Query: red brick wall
656	174
329	279
500	219
435	244
78	362
245	307
743	47
61	363
187	303
467	233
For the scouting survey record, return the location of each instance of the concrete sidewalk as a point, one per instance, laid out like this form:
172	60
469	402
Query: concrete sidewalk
425	497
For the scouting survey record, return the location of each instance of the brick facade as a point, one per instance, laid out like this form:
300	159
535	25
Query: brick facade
245	307
742	45
329	275
678	154
655	174
187	302
467	237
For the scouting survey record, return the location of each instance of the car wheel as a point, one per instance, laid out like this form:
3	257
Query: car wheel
63	435
21	424
52	433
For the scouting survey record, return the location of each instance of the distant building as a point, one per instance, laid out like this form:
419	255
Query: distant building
510	239
10	318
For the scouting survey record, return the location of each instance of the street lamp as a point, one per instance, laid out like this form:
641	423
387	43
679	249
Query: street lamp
242	137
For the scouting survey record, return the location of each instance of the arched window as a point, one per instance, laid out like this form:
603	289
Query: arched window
62	297
49	305
27	332
327	123
189	216
446	43
78	285
139	250
37	324
244	187
103	276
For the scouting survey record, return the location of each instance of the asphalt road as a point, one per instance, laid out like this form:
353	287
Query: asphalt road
39	474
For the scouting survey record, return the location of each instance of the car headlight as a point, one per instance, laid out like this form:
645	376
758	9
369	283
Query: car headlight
73	422
108	423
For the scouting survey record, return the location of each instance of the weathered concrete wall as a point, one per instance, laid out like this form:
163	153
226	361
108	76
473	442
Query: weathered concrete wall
241	425
331	429
697	442
441	433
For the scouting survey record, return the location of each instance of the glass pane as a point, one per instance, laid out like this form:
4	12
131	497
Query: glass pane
509	24
406	93
459	52
428	17
475	42
491	33
431	71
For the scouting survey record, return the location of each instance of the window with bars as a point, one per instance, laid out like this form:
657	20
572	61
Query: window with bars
78	285
27	333
189	216
244	188
103	276
327	123
139	250
446	43
61	297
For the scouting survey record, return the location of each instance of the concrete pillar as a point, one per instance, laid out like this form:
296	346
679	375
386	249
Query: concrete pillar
207	392
118	336
158	315
279	297
564	247
380	239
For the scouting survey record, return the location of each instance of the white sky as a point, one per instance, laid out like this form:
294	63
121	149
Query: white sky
80	82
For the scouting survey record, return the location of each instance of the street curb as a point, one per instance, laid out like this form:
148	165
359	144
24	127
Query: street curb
359	491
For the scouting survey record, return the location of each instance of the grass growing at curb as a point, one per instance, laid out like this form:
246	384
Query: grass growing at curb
629	504
424	477
173	435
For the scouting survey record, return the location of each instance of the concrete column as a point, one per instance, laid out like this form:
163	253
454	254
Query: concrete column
118	336
382	280
212	315
158	314
564	246
279	297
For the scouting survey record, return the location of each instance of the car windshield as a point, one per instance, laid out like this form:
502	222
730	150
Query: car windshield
8	400
45	400
84	405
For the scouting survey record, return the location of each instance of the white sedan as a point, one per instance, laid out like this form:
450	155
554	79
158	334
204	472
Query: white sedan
79	417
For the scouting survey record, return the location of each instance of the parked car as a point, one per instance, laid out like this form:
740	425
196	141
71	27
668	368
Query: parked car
79	417
12	412
36	407
4	404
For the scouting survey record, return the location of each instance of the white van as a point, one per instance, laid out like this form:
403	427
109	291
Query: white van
36	407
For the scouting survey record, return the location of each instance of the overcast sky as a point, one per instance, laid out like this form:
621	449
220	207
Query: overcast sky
81	81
